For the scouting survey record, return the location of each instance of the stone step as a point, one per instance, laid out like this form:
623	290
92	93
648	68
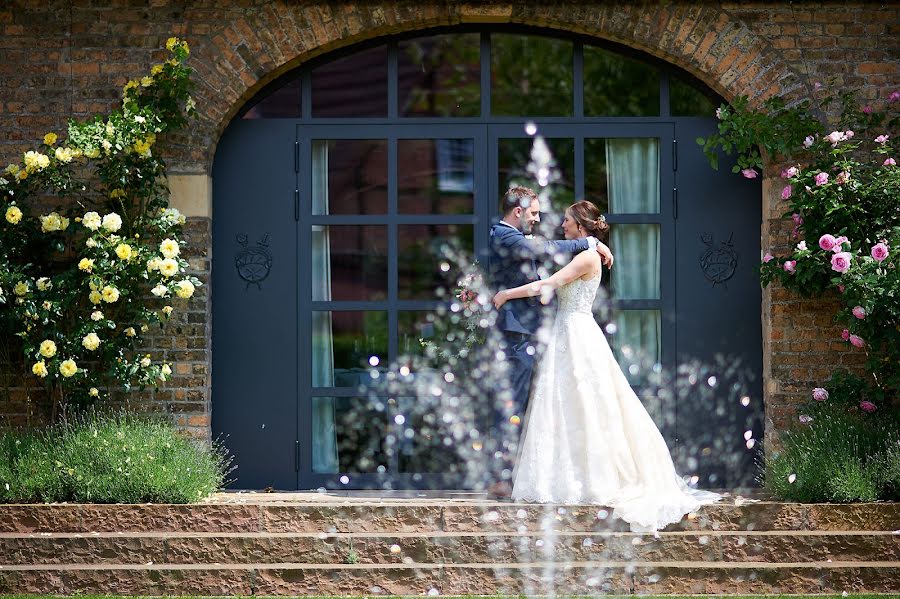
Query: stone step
532	578
429	517
444	548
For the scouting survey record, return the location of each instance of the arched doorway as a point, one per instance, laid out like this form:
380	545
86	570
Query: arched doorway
334	180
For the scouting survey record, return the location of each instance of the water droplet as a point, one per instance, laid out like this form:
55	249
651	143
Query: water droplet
445	266
711	381
611	328
345	479
399	419
381	469
449	377
530	128
587	543
404	371
703	540
539	543
433	592
748	435
530	350
602	515
373	360
395	548
792	478
521	514
745	401
751	443
264	425
477	445
515	420
695	479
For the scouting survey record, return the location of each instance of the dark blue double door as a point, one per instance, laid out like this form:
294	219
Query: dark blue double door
325	272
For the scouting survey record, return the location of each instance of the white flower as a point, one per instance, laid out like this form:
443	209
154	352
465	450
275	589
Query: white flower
802	245
35	161
44	284
166	369
96	315
92	221
145	362
91	242
140	119
184	289
112	222
130	332
169	248
160	290
64	155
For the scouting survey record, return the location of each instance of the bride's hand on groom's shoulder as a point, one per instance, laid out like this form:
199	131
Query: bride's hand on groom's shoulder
499	298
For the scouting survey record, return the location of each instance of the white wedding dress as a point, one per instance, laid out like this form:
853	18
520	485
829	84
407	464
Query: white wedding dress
587	437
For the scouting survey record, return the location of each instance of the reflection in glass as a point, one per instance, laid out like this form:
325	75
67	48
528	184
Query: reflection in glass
352	86
435	176
595	176
344	344
349	176
425	254
439	75
687	100
351	436
425	442
284	102
531	75
441	327
636	342
514	155
632	170
637	272
615	85
349	262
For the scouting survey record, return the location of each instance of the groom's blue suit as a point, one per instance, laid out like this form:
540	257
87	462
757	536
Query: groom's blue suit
513	261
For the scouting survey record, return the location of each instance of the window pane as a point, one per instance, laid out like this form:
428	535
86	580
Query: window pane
425	440
687	100
355	85
632	173
349	176
349	262
636	342
637	272
435	176
618	86
284	102
349	435
596	187
439	75
425	256
514	154
531	75
343	342
442	330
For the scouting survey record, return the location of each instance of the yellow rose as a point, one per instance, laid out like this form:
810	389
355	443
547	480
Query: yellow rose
123	251
112	222
48	348
130	332
91	341
86	264
153	264
40	369
94	392
171	43
44	284
12	169
50	139
35	161
53	222
95	297
92	221
64	155
166	369
117	193
92	152
145	362
23	174
96	315
68	368
130	85
169	248
110	294
168	267
184	289
146	81
21	288
156	69
167	311
13	215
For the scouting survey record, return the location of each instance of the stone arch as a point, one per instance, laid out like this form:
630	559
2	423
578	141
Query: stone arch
704	40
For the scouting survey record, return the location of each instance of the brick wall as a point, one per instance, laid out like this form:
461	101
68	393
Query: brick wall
70	58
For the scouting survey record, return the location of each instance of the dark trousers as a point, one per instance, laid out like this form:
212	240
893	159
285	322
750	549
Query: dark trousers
511	403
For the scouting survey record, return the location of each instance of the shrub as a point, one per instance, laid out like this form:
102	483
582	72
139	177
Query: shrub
100	458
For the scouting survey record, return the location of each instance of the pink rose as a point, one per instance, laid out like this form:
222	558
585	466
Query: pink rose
859	312
867	109
894	97
845	335
809	141
790	172
841	288
826	242
821	178
820	394
817	85
786	192
798	220
848	134
843	177
857	341
840	262
889	162
790	265
768	258
880	251
867	406
839	243
835	137
804	419
882	139
749	173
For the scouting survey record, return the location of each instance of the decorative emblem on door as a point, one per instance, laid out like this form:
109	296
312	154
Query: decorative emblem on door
253	263
718	262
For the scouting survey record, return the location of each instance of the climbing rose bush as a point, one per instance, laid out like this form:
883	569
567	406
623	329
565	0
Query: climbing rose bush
842	185
91	256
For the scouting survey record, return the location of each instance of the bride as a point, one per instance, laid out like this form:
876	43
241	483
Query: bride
587	437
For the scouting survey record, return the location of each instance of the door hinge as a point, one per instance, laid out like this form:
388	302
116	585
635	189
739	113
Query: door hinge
296	205
296	456
674	202
674	154
296	156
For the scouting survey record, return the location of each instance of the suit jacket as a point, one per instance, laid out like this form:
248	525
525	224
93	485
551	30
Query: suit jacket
512	261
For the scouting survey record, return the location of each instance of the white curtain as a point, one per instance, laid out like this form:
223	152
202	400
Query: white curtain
324	449
632	170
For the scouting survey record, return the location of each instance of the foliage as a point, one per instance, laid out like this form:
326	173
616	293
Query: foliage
109	459
841	189
81	297
466	320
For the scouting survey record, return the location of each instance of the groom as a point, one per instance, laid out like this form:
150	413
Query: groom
513	260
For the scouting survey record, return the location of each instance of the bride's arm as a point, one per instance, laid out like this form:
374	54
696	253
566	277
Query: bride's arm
579	266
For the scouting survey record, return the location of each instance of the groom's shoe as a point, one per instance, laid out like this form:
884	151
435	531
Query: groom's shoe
500	490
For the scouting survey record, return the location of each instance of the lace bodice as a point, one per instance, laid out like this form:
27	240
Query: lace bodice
578	296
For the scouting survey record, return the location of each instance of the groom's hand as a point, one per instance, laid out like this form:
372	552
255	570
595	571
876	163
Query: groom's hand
605	254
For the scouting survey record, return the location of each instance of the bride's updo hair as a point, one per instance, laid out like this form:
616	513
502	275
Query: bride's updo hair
587	215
